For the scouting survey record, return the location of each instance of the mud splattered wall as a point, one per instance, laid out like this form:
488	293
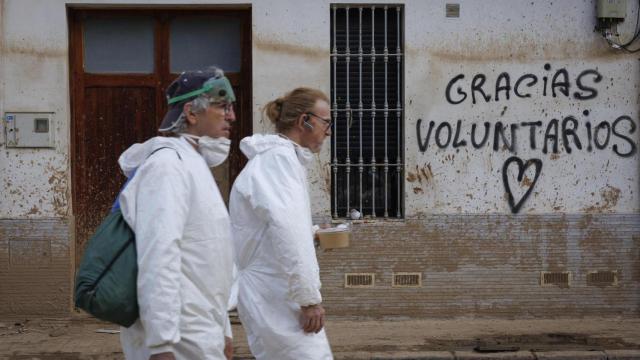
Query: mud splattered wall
521	151
549	136
521	148
35	241
519	89
35	79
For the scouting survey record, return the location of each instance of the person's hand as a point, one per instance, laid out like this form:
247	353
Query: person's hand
163	356
312	318
228	348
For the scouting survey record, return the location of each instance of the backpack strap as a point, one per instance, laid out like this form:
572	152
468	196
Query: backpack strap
160	148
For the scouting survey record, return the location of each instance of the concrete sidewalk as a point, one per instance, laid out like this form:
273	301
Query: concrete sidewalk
588	338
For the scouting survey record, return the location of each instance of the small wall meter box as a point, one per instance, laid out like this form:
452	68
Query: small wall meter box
29	130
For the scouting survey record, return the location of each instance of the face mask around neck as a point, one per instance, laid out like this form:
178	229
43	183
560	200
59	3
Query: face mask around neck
213	150
305	155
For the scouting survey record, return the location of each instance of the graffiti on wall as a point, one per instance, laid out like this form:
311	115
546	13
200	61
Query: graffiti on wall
571	132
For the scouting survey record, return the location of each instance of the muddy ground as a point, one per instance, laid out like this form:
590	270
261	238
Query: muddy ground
85	338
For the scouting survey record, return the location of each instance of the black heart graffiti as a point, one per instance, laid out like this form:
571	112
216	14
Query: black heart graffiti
522	167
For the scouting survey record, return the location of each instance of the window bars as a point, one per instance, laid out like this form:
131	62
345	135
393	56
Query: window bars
367	108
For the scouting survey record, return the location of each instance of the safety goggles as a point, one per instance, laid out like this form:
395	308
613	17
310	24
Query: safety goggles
218	89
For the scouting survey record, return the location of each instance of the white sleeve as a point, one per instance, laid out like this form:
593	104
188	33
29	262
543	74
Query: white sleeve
161	194
227	328
277	194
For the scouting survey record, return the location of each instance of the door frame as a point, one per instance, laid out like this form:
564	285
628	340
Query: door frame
159	79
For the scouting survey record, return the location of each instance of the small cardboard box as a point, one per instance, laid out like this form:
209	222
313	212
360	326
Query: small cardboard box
333	238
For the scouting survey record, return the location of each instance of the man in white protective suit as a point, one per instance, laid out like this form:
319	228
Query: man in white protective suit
279	299
182	228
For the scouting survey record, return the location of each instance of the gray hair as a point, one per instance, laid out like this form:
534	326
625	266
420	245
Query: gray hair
198	105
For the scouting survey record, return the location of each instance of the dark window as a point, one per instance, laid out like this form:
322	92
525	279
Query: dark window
367	106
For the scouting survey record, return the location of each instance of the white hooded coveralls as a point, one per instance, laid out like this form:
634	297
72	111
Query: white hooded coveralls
273	241
185	255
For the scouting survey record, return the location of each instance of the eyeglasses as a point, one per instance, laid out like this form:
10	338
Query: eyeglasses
328	122
226	106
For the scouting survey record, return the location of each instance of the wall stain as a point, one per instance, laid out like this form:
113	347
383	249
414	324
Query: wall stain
610	196
427	173
522	47
58	182
326	175
283	48
636	258
32	50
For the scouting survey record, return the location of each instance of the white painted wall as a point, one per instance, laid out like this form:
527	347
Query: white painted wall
34	72
518	38
291	48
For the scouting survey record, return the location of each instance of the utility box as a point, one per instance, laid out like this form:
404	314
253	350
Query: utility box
29	130
612	9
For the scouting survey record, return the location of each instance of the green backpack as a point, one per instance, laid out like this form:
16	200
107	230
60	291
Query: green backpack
107	277
106	284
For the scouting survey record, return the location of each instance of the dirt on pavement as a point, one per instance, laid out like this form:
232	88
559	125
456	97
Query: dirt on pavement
85	338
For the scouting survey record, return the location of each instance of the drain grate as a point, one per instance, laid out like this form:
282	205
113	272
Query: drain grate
602	278
407	279
359	280
555	278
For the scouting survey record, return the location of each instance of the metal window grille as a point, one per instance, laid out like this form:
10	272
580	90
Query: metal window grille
367	107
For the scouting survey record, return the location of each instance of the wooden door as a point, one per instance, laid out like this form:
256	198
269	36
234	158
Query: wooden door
121	63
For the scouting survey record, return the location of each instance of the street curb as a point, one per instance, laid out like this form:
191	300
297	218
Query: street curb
512	355
405	355
570	355
623	354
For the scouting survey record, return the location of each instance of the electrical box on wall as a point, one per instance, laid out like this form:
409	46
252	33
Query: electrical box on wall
611	9
29	130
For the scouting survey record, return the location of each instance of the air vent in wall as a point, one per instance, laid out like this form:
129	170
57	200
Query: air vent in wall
359	280
555	278
452	10
602	278
407	279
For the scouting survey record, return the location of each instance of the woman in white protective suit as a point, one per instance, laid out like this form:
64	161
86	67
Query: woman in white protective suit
279	300
182	228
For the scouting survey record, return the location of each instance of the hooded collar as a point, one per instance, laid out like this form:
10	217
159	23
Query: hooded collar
136	154
259	143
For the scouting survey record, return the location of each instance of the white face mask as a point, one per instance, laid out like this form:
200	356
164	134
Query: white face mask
213	150
304	155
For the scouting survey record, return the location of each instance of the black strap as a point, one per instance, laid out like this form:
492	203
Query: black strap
164	147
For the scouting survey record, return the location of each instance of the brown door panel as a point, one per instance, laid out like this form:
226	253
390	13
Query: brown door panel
110	112
114	119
